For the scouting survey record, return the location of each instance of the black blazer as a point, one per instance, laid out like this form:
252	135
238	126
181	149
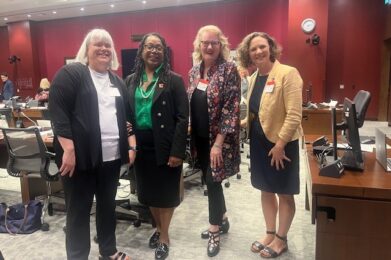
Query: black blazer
170	116
73	104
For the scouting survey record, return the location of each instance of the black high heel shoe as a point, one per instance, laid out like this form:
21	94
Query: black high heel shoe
161	251
213	243
223	229
154	240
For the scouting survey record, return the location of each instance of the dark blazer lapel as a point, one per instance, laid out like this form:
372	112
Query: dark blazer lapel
159	89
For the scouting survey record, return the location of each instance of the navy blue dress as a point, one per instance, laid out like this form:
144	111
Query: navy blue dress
263	176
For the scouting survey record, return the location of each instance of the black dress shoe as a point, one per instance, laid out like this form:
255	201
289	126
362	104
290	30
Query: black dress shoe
161	251
223	229
154	240
213	243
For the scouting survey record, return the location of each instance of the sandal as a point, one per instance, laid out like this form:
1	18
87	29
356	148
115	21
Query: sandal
118	256
213	243
268	252
257	246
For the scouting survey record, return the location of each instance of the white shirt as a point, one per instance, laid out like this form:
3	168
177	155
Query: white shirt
107	116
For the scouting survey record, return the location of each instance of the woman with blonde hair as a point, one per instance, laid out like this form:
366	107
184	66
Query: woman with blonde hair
214	94
43	91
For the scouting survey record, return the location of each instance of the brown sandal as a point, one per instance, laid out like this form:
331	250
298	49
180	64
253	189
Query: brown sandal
257	246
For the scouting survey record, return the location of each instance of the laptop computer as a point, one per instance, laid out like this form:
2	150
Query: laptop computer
381	150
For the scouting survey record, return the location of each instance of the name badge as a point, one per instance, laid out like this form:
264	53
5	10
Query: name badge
113	92
202	84
269	86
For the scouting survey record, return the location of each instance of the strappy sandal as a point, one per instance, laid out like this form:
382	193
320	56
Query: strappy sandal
257	246
213	243
118	256
268	252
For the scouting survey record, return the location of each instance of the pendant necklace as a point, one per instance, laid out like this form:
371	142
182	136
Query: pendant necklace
147	94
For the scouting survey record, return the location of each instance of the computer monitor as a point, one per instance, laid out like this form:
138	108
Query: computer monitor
352	158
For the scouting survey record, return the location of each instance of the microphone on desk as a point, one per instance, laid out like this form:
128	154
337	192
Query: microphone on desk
35	125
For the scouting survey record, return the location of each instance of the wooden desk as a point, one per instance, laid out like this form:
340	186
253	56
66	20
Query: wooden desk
33	113
318	121
352	213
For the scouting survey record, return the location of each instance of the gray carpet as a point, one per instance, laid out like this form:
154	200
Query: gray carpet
190	218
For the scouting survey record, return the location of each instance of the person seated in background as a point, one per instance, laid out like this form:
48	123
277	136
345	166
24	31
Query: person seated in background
43	91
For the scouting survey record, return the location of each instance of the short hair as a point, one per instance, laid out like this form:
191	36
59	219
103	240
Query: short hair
224	50
244	48
44	84
97	34
4	74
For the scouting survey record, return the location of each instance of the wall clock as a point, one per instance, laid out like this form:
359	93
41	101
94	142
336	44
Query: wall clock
308	25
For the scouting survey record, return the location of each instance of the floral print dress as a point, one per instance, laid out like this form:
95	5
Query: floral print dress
223	97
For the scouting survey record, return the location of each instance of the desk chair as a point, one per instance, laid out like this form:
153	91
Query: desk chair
361	100
7	112
29	157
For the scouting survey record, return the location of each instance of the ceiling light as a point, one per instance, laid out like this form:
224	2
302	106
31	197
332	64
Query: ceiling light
112	5
29	15
54	12
5	19
144	2
82	9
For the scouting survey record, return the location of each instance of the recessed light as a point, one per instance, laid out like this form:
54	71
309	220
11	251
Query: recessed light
5	19
144	2
112	5
82	9
29	15
54	12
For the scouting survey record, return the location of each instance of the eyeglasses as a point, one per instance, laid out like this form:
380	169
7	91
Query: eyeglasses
150	47
206	43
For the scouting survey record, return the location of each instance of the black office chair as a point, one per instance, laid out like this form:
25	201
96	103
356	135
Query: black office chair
361	100
29	157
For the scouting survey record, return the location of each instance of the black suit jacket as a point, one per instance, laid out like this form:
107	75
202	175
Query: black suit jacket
170	116
73	104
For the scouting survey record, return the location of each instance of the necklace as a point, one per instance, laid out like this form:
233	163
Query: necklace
147	94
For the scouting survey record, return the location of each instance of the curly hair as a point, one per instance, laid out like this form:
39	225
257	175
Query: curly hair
244	46
139	66
224	51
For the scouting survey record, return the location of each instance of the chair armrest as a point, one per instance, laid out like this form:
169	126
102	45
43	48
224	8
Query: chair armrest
50	155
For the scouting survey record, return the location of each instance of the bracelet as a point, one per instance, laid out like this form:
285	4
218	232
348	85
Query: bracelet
132	148
218	145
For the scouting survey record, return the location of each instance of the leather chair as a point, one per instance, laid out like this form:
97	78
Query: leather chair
29	158
361	101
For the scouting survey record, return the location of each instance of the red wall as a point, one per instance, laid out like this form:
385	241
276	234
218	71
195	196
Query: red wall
351	33
309	59
355	35
179	26
4	53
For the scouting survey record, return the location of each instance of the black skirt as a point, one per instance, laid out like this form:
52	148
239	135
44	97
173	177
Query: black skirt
265	177
157	185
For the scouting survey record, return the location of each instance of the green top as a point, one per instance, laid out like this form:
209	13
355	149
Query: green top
144	100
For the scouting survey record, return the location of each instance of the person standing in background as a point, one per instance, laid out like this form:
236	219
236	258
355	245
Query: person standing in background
274	113
8	87
214	94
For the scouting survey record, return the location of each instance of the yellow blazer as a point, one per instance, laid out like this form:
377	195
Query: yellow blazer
280	110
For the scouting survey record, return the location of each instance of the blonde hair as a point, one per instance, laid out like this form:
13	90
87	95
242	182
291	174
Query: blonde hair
97	34
244	48
44	84
224	50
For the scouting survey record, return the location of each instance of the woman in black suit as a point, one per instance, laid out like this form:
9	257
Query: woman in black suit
159	100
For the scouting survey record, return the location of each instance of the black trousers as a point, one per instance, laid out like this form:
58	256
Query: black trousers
216	199
79	194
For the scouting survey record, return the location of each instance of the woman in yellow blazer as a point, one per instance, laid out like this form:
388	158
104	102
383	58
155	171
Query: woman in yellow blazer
273	118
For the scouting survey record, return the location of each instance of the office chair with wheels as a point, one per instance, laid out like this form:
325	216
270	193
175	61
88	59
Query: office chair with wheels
7	112
29	157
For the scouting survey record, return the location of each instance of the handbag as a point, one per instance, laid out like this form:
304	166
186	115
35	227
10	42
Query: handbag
20	218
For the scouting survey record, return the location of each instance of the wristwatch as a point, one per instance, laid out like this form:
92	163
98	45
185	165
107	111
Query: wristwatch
132	148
